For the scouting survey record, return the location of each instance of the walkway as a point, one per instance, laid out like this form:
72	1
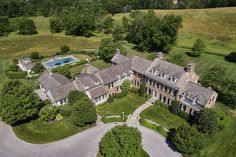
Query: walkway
134	118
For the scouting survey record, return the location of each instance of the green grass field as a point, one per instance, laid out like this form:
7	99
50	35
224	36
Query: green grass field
162	116
127	104
39	132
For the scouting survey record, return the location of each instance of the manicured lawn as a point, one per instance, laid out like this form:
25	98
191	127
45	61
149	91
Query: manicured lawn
127	104
162	116
39	132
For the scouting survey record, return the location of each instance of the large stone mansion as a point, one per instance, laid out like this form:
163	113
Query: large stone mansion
164	81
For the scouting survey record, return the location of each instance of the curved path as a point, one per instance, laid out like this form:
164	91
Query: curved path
83	144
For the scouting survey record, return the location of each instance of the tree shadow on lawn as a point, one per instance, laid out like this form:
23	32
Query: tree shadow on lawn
168	140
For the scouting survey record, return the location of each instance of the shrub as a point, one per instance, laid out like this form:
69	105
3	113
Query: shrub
48	113
16	75
133	90
151	56
35	56
207	121
64	70
37	68
198	48
126	85
142	89
65	110
186	139
231	57
120	95
184	115
121	141
74	96
110	99
13	68
64	49
174	107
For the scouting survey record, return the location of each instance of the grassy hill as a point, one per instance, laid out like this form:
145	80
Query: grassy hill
217	28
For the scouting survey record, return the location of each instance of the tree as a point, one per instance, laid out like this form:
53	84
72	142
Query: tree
121	141
64	49
198	48
56	25
207	121
108	24
118	33
231	57
174	107
126	85
49	113
186	139
27	26
4	25
108	48
84	112
38	68
150	32
224	86
64	70
18	103
35	56
74	96
142	89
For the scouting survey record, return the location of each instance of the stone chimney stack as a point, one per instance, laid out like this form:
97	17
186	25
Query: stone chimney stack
87	69
118	51
190	67
160	55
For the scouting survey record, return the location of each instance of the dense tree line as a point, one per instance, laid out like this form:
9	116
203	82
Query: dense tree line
15	8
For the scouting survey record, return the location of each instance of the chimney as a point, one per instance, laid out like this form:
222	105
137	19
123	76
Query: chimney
87	69
118	51
190	67
160	55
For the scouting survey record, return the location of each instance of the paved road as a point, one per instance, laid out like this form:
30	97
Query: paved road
84	144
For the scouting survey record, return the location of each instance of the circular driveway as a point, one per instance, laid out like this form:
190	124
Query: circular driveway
83	144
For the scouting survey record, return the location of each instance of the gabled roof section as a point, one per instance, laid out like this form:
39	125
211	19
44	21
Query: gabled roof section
62	92
139	64
168	73
115	72
85	82
119	58
50	80
97	92
89	69
198	92
26	62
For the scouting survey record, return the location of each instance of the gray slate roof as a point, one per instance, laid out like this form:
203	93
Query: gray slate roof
97	92
119	58
63	91
170	70
26	62
194	90
90	69
85	82
113	73
51	80
139	64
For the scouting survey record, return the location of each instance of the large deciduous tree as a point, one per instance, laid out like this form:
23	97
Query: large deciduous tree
108	48
84	112
186	139
207	121
27	26
121	141
150	32
18	103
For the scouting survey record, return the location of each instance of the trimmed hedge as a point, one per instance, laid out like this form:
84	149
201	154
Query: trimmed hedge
16	75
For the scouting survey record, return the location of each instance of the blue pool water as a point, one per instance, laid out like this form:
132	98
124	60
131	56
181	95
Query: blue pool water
59	62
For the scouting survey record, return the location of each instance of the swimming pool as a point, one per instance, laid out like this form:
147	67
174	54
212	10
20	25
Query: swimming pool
55	62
